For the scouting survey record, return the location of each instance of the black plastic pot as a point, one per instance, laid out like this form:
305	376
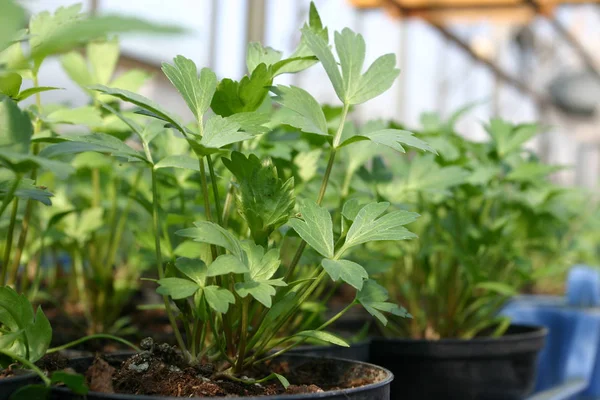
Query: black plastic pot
356	352
10	385
375	391
483	368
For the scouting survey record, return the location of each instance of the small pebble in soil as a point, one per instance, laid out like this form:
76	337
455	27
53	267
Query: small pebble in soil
139	367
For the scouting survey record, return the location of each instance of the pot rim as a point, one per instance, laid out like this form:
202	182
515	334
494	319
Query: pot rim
384	382
530	341
19	377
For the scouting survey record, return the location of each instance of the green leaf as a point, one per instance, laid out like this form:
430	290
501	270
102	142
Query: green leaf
197	92
351	209
508	137
27	190
10	84
258	54
75	382
308	164
373	298
12	18
226	264
66	30
16	315
103	57
305	113
34	90
142	102
178	161
284	382
31	392
324	336
261	291
247	95
262	266
86	115
211	233
320	48
24	163
219	132
368	226
392	138
218	298
77	68
177	288
351	86
315	228
130	80
264	200
98	142
195	269
15	127
348	271
532	172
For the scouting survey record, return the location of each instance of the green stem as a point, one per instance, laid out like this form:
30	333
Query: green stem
28	364
243	336
207	211
21	243
80	283
215	188
9	240
92	337
96	187
9	195
324	183
159	261
227	205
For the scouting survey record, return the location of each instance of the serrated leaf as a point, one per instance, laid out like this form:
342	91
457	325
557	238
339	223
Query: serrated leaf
305	113
370	226
264	200
261	266
351	86
219	132
196	91
247	95
373	298
177	288
179	161
227	264
261	291
195	269
16	315
211	233
324	336
218	298
350	272
258	54
392	138
142	102
315	228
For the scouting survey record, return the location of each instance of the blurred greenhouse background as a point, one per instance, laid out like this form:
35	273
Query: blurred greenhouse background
507	61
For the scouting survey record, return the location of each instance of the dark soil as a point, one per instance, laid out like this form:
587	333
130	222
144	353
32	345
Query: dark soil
160	370
50	362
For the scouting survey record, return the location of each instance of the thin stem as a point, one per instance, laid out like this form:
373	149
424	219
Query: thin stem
243	336
96	187
21	243
215	188
228	203
28	364
92	337
159	261
9	195
324	183
207	211
80	283
9	240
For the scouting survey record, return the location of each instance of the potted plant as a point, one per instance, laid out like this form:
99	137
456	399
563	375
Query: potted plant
491	223
229	304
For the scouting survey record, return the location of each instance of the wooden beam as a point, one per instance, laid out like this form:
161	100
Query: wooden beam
500	73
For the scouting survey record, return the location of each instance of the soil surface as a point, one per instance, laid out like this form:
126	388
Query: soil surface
50	362
161	370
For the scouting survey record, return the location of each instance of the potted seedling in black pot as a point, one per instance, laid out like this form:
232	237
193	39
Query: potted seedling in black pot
230	304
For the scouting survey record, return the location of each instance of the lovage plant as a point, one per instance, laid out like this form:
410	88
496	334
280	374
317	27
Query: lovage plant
233	300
